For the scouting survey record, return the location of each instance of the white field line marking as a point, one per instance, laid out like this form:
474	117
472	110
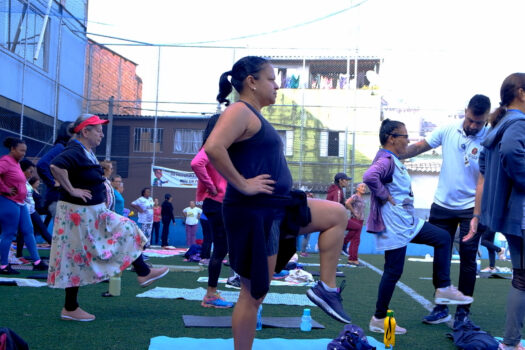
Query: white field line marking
411	293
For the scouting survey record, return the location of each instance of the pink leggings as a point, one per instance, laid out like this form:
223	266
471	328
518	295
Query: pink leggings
191	232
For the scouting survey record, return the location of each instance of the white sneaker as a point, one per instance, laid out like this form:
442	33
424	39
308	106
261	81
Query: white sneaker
377	325
489	269
451	295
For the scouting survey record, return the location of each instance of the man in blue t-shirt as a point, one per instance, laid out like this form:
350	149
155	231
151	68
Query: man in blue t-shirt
454	198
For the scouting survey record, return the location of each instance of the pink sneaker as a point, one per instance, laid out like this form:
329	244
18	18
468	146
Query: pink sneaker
77	315
451	295
153	275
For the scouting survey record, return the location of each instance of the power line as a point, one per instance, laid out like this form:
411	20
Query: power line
319	19
278	30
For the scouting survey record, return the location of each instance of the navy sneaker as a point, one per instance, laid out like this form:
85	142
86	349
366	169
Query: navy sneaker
329	302
233	282
8	270
42	266
438	315
462	318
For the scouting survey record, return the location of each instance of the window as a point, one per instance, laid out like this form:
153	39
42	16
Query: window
332	144
287	139
20	28
187	141
144	140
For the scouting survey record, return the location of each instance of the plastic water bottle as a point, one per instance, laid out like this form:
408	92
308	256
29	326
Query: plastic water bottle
478	265
390	330
258	327
306	321
114	285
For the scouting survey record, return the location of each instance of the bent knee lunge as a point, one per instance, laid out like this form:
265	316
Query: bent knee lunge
326	215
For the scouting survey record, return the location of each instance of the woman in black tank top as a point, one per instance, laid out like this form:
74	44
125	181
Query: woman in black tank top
247	151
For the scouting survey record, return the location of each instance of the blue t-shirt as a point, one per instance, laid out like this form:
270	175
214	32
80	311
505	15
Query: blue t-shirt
119	202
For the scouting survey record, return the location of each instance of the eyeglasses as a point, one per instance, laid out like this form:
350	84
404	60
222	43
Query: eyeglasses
399	135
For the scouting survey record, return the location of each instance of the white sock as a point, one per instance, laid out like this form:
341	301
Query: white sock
330	289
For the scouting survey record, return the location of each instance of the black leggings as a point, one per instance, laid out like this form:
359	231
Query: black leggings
449	220
155	232
71	303
213	211
395	261
207	238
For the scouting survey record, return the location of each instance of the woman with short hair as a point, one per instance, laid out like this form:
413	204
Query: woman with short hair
144	206
393	221
167	217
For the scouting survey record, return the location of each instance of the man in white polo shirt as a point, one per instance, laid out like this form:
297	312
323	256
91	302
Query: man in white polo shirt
454	198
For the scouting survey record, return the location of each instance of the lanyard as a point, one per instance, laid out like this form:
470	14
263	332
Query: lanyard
91	156
392	153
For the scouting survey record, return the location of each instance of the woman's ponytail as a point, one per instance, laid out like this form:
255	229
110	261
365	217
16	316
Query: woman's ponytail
225	88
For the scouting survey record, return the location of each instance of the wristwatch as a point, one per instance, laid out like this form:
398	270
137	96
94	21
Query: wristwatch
477	216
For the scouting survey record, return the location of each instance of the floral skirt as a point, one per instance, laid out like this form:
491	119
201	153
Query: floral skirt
91	244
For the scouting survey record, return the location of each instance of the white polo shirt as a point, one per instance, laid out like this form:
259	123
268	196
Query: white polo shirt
460	169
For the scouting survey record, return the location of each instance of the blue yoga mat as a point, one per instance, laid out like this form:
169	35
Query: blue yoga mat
167	343
501	339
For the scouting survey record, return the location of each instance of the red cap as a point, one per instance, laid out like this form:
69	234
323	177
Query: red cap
93	120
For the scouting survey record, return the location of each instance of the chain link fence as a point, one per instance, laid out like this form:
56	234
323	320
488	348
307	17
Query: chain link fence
328	110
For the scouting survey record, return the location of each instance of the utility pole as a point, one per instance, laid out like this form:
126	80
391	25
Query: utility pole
109	130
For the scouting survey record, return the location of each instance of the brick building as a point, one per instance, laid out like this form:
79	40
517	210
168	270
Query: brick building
110	74
179	138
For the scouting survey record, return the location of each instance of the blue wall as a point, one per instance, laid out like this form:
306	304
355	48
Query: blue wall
39	90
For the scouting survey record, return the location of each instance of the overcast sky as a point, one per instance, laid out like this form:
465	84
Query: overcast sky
437	53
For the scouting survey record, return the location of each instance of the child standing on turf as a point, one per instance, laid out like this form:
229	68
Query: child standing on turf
356	205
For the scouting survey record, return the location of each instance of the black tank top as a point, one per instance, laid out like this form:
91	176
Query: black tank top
260	154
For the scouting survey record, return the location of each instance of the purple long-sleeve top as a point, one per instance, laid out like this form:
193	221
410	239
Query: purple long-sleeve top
379	174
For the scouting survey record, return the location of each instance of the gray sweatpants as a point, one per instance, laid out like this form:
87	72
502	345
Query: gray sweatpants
516	298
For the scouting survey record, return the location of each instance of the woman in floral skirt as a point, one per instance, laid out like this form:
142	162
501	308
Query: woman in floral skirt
90	242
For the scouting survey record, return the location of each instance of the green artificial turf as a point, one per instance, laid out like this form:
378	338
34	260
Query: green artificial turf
128	322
